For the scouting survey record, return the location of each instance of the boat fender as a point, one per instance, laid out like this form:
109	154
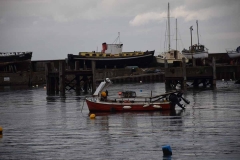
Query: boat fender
157	106
127	107
146	105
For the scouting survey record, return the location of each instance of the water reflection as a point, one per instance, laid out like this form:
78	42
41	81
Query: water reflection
54	127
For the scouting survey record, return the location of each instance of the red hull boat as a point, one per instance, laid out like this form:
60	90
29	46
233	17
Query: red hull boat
125	106
128	101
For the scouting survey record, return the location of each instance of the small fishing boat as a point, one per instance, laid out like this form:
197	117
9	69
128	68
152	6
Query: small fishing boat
234	53
196	51
129	101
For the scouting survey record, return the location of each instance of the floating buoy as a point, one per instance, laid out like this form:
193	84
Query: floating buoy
140	81
167	151
92	116
1	131
103	94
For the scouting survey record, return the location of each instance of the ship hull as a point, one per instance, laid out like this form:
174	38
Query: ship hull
126	107
15	57
111	62
199	55
233	54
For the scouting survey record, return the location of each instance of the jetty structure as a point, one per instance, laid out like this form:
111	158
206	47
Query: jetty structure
59	80
36	73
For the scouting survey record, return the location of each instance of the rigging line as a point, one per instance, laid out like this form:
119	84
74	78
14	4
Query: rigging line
180	39
118	38
115	40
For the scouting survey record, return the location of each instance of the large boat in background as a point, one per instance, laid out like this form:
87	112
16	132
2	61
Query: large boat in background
12	62
14	57
112	56
171	56
234	53
196	51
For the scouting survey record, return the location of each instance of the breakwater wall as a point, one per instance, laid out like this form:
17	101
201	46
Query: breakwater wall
36	76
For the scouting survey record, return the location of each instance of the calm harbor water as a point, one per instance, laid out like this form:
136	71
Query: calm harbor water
36	126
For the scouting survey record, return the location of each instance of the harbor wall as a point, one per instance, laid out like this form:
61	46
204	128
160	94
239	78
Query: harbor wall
36	76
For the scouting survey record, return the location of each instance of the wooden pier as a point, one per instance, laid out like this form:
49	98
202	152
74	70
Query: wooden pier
205	75
62	79
141	78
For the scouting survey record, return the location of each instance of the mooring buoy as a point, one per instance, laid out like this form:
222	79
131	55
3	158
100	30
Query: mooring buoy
1	130
167	151
92	116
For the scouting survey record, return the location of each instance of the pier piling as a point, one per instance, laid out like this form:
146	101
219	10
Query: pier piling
62	78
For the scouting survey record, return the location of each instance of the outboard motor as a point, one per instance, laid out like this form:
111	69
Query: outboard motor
179	94
176	98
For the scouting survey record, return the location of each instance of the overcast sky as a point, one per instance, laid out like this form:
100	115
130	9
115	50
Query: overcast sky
54	28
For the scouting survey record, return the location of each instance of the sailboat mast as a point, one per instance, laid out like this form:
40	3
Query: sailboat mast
176	34
197	32
191	28
169	45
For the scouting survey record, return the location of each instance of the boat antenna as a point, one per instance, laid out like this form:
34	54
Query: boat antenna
169	45
197	32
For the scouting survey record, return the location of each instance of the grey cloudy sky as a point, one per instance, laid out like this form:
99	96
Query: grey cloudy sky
54	28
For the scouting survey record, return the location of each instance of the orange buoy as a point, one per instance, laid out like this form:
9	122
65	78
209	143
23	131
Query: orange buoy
103	94
92	116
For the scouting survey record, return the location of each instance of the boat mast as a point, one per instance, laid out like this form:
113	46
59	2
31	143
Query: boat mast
197	32
176	34
169	45
119	37
191	28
